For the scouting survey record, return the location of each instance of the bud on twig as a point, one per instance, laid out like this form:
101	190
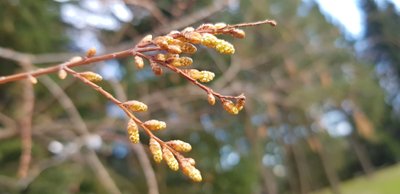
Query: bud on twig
91	52
62	74
139	63
211	99
135	106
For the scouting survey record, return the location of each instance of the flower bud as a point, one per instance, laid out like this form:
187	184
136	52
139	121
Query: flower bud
180	146
32	79
170	159
146	39
133	131
62	74
155	149
230	107
211	99
135	106
93	77
91	52
191	171
155	125
156	68
139	63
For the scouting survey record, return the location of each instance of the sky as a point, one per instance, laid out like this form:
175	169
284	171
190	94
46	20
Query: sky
347	14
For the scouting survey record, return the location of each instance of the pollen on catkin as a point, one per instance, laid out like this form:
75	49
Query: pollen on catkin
155	125
170	159
180	146
91	76
155	149
133	131
135	106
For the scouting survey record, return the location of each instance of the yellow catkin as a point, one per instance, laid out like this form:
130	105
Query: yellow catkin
155	149
191	172
238	33
135	106
224	47
155	124
162	41
193	37
211	99
170	159
133	131
62	74
202	76
209	40
182	62
91	52
188	48
75	59
91	76
230	107
139	63
180	146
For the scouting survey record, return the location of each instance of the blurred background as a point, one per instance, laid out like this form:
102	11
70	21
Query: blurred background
321	116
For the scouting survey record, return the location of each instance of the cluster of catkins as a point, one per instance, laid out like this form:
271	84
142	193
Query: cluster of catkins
172	46
176	43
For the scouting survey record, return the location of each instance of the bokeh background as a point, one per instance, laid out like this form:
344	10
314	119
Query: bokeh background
322	112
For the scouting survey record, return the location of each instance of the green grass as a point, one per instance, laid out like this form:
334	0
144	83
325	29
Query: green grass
384	181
